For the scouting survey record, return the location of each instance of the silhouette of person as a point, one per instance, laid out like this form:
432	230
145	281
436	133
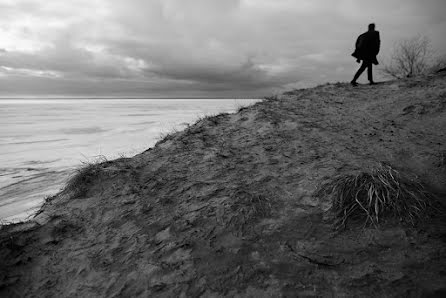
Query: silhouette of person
366	49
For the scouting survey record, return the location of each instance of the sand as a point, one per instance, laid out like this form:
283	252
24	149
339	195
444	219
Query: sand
227	207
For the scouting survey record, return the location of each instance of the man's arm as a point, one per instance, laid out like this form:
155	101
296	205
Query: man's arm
359	40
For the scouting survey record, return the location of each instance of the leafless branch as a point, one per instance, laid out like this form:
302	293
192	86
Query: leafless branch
410	58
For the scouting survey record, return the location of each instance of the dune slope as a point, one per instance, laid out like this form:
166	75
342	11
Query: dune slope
228	206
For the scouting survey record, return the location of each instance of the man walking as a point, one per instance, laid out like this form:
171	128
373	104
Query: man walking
367	47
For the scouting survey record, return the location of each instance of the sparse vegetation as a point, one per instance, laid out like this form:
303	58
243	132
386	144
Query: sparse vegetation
271	98
83	177
164	137
410	58
248	207
384	192
439	64
241	108
213	119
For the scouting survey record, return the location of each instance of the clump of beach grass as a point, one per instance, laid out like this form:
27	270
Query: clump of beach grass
240	108
375	195
248	207
167	136
82	178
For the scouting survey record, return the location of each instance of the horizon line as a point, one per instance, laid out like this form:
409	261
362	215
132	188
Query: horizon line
123	97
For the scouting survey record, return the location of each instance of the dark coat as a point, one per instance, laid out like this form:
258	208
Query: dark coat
367	47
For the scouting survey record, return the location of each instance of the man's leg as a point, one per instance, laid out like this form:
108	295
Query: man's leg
370	73
359	72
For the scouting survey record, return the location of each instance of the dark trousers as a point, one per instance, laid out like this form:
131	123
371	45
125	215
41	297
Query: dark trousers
365	64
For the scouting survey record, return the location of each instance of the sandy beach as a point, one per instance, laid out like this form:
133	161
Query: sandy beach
228	207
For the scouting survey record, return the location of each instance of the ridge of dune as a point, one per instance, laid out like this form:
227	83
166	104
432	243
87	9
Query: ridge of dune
227	207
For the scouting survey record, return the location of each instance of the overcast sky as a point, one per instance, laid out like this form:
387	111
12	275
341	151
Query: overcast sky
196	48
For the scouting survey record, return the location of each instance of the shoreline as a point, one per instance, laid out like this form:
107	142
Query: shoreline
64	139
28	195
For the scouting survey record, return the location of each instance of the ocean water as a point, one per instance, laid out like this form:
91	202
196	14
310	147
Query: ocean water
43	140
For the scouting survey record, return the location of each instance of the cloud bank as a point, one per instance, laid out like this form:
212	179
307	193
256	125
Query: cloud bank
196	48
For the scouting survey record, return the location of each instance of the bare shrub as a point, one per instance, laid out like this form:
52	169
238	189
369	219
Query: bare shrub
384	192
439	64
410	58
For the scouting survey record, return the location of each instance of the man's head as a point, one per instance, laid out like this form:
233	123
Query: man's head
371	27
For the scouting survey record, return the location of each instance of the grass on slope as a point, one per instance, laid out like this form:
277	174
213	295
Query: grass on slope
83	177
372	196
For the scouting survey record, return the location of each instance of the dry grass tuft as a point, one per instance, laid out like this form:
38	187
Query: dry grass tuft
384	192
83	177
248	208
166	136
241	108
212	119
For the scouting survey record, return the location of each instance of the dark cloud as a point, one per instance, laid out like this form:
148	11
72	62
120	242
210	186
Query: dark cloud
63	59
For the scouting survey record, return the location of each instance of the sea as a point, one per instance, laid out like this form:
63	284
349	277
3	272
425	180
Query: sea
43	141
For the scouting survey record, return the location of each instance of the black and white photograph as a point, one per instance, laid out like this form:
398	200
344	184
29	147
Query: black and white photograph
222	148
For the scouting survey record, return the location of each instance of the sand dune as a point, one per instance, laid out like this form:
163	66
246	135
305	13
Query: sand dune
228	207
